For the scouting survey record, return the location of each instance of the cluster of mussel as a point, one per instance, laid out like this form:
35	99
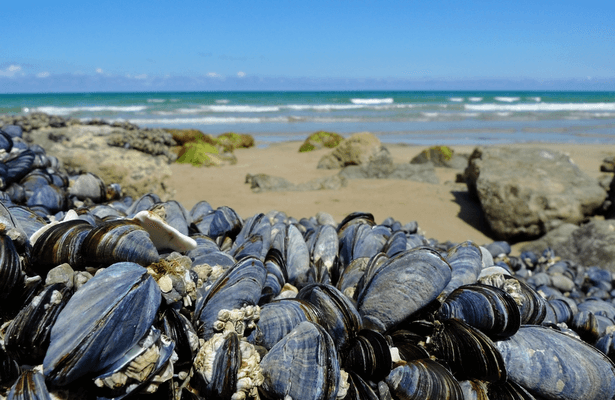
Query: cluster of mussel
30	177
145	298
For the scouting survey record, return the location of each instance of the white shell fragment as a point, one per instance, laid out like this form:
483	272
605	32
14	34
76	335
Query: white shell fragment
163	235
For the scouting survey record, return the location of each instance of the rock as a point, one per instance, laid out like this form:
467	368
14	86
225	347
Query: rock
319	140
381	166
441	156
268	183
200	153
554	239
608	164
231	141
357	149
84	148
183	136
590	244
525	193
150	141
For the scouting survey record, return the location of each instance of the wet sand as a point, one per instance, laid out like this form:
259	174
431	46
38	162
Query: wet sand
443	211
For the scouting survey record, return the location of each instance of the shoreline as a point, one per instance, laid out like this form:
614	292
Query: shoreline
443	211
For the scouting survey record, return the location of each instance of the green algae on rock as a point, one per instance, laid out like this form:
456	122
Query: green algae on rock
320	139
231	141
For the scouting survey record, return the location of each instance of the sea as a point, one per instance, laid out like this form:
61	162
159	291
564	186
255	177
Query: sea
410	117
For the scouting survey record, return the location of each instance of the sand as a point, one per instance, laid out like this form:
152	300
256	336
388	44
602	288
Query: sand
443	211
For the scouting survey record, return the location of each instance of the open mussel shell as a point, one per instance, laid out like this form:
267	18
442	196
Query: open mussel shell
553	365
118	241
239	286
467	351
59	244
401	286
303	365
279	317
423	379
27	336
484	307
103	319
29	386
339	316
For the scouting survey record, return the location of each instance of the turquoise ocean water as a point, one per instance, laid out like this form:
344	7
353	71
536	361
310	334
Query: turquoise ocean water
422	118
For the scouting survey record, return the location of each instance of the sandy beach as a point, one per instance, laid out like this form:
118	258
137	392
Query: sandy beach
443	211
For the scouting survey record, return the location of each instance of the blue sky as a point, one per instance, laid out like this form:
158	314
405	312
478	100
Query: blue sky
221	45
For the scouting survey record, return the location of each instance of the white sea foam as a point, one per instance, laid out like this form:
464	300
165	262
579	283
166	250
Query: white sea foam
156	100
322	107
387	100
222	101
475	99
456	99
225	108
70	110
536	99
206	120
506	99
542	107
430	114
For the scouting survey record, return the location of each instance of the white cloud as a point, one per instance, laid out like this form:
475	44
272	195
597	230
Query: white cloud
241	74
142	76
11	70
43	74
99	70
213	75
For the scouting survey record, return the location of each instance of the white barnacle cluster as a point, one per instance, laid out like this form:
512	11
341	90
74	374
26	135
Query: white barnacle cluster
249	375
141	368
174	279
237	320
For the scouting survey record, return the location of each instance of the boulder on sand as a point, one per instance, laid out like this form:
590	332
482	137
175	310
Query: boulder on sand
357	149
319	140
441	156
525	193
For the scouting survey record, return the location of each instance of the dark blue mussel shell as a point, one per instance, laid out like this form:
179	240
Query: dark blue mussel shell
104	319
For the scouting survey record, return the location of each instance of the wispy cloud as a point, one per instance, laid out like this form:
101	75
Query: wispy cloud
99	70
43	74
214	75
241	74
12	70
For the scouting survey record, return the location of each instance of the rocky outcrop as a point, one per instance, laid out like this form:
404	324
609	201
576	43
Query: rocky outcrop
231	141
83	148
525	193
319	140
268	183
441	156
357	149
590	244
381	166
